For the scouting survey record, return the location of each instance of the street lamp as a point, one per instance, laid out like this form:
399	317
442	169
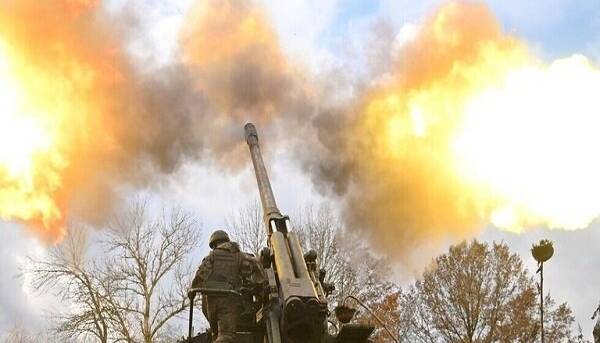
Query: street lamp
542	252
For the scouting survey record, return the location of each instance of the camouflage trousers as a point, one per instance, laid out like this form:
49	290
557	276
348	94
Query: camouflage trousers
222	313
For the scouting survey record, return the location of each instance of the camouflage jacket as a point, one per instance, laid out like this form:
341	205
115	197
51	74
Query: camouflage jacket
226	263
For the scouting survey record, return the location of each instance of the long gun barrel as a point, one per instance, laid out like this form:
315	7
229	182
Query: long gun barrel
297	290
271	212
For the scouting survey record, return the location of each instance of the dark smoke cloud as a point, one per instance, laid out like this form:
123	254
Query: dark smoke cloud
136	124
159	127
235	58
230	70
402	194
125	123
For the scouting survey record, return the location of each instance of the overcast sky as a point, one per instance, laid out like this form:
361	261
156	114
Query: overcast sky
319	34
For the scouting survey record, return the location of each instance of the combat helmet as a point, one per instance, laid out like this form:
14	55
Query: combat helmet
217	237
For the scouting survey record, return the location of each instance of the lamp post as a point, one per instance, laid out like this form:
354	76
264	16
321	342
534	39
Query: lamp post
542	252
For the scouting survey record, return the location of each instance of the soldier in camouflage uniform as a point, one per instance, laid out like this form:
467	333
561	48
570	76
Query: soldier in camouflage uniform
240	271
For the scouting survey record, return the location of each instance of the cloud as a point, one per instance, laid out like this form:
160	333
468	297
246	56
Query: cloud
18	303
301	26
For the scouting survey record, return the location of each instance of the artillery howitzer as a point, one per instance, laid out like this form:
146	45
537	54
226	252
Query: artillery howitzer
293	307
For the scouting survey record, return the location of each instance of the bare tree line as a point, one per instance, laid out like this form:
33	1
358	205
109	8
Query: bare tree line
344	256
135	285
132	288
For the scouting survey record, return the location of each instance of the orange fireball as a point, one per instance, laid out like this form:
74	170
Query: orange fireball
475	129
56	109
30	165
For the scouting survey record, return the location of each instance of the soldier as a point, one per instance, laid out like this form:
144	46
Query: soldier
241	272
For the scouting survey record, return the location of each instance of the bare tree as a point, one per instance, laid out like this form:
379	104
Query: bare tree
344	255
70	274
478	293
133	285
246	227
317	228
579	336
596	331
146	285
21	333
320	230
16	334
